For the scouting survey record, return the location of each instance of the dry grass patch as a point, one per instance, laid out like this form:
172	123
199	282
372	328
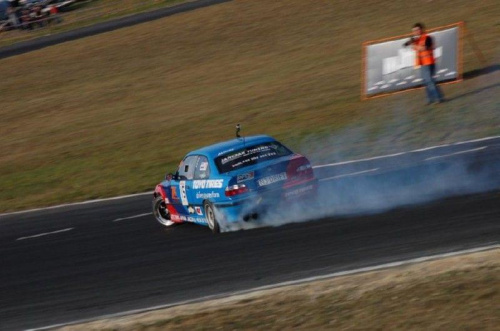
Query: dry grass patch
109	114
459	293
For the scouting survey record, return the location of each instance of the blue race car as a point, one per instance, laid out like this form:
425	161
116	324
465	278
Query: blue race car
233	181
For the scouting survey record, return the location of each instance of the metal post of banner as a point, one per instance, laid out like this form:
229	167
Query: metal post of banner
363	68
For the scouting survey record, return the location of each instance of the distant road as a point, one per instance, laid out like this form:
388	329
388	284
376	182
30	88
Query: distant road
34	44
82	261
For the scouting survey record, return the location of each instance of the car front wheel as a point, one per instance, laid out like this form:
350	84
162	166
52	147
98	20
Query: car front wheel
160	212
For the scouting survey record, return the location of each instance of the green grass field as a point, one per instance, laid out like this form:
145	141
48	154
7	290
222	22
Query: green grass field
110	114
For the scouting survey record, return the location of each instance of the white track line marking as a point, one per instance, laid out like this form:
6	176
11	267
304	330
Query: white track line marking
288	283
430	148
359	160
402	153
131	217
349	175
476	140
44	234
456	153
318	166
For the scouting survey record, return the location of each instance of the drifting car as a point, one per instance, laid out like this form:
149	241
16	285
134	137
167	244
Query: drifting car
233	181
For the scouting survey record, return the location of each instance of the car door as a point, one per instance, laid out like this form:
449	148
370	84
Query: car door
197	192
182	184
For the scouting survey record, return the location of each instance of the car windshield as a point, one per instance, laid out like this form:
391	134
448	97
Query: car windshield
250	155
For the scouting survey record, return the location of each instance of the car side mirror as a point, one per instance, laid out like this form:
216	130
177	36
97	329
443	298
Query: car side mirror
169	176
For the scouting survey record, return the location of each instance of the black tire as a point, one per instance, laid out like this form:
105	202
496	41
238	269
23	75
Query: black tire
160	212
213	224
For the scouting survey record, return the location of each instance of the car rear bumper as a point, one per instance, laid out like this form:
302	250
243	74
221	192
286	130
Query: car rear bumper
259	202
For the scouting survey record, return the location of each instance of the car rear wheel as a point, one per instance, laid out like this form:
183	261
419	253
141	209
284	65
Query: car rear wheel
160	212
211	218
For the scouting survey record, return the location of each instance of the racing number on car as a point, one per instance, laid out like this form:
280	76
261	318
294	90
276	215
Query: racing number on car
184	198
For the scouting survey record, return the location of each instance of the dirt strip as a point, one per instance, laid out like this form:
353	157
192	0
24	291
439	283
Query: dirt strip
457	293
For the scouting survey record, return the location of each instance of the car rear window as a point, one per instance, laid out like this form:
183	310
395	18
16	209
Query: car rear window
250	155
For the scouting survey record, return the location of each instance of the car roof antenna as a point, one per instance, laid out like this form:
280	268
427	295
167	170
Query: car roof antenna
238	129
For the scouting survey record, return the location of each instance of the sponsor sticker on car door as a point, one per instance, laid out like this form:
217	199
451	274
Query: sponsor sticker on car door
182	188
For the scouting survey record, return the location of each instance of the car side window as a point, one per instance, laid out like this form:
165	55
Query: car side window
202	170
187	167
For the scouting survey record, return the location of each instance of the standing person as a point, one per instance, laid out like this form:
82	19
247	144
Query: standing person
13	20
423	45
26	20
54	14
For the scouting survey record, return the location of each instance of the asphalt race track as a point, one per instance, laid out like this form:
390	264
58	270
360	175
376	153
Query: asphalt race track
83	261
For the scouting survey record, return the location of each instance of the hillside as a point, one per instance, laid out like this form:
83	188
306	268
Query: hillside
110	114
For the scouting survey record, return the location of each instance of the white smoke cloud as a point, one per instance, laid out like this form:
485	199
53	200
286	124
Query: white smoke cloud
396	183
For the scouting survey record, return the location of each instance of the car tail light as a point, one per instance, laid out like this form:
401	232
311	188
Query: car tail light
236	189
300	169
304	169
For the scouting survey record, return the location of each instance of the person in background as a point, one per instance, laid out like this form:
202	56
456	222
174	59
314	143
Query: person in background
423	45
54	14
13	19
37	16
14	3
26	23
